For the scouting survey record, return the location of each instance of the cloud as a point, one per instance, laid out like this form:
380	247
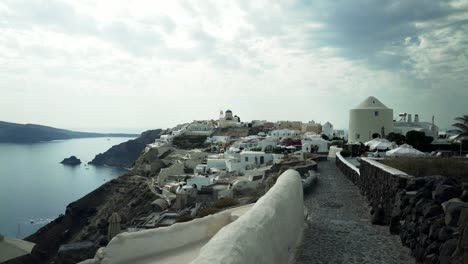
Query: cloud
376	31
315	58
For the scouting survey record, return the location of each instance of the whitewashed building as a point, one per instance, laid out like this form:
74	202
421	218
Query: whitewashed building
314	144
280	133
201	128
228	119
407	124
368	118
311	126
292	125
327	129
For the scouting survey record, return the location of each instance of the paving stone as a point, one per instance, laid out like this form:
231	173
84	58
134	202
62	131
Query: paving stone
339	231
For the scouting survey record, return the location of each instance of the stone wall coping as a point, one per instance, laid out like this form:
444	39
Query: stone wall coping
386	168
347	163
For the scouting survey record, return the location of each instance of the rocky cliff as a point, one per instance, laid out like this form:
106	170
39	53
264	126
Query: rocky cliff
125	154
85	221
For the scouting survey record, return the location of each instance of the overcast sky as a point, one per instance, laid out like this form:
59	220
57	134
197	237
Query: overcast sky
131	65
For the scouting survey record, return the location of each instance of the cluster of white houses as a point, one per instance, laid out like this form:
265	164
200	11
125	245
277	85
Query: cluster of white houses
229	163
249	156
277	129
241	161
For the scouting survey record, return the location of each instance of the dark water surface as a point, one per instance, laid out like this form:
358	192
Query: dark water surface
35	188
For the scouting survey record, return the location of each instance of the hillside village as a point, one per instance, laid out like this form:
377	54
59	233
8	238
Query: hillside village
208	167
194	168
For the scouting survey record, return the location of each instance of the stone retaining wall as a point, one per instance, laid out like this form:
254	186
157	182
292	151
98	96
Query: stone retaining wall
429	213
380	184
431	216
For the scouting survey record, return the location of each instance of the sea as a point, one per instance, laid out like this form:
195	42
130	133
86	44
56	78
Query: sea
35	187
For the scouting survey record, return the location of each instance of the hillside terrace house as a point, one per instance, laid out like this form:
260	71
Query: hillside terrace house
312	126
217	143
242	161
248	160
314	144
247	143
258	123
293	125
327	129
280	133
200	128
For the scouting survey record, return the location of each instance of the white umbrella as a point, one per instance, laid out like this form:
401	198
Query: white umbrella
405	150
11	248
380	144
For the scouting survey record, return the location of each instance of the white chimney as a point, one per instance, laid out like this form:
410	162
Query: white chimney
409	118
416	118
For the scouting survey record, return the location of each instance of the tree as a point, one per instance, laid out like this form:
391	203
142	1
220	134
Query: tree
397	138
462	125
418	140
325	137
375	135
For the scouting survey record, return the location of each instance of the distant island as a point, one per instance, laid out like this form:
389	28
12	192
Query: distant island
32	133
72	160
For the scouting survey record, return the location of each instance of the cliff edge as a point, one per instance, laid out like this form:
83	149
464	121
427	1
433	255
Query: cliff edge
125	154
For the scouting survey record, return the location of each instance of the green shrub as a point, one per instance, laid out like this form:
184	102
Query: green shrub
207	211
345	153
225	202
184	218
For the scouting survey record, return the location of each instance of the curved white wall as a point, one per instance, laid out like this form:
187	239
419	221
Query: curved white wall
347	163
268	233
166	243
364	122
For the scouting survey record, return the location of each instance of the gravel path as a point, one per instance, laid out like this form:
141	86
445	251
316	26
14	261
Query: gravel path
340	230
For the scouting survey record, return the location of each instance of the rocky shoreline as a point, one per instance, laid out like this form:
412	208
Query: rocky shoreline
125	154
85	220
82	228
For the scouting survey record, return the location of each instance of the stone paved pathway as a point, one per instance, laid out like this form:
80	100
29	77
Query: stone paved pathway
340	230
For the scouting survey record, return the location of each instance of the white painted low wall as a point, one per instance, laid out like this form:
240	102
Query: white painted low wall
347	163
332	151
268	233
148	244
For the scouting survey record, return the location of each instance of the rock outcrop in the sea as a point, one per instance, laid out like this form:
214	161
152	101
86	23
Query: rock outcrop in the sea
72	160
125	154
